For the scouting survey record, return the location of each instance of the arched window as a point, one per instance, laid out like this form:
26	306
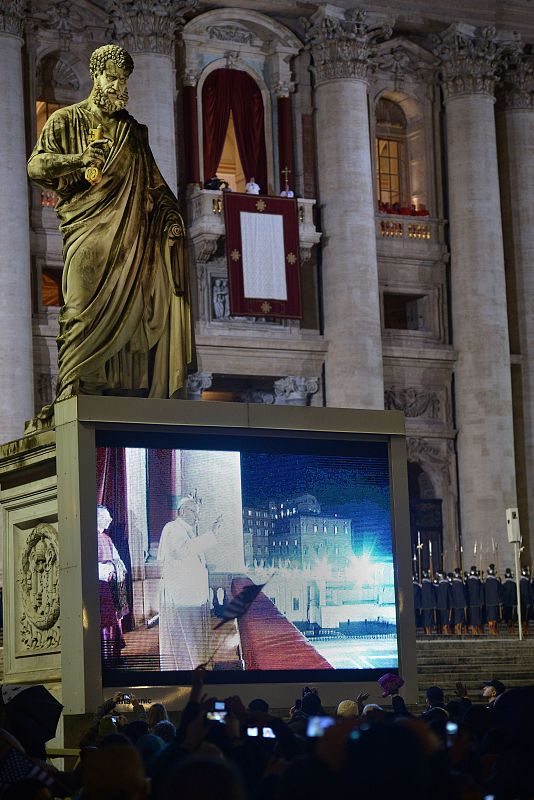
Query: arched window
233	128
392	180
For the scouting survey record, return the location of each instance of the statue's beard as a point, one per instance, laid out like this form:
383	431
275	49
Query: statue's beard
108	100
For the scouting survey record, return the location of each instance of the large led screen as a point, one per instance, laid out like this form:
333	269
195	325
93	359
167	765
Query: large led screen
182	531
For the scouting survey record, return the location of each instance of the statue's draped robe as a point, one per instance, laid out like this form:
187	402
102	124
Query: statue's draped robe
126	321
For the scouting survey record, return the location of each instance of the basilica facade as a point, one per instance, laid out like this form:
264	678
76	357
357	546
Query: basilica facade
406	132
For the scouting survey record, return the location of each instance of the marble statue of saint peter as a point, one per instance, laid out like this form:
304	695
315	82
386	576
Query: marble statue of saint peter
126	326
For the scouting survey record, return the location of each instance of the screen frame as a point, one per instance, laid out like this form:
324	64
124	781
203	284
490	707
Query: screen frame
83	421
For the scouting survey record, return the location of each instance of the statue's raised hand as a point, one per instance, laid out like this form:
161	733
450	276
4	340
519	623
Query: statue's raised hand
96	153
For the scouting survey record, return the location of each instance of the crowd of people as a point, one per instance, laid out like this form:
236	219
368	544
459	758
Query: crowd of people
403	210
456	603
220	750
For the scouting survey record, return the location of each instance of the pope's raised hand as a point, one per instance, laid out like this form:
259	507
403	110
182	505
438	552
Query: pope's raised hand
217	524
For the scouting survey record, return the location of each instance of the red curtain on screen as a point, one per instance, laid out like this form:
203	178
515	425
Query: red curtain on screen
111	492
233	90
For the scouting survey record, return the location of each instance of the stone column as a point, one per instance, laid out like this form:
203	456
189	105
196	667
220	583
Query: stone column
341	44
148	34
483	394
16	368
515	136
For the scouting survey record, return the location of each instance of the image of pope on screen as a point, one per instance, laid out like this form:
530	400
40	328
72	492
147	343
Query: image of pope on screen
184	617
305	534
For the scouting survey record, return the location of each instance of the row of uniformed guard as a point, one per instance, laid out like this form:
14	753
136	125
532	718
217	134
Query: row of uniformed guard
452	603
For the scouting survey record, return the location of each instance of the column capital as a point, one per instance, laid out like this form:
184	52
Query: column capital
197	383
143	26
12	13
294	390
471	58
342	42
518	84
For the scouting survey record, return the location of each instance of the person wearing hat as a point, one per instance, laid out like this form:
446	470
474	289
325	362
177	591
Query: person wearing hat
492	598
475	599
428	603
525	594
509	599
458	602
492	690
417	602
443	604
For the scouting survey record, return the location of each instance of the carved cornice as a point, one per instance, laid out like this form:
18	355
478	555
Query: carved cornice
518	84
472	58
231	33
12	17
343	44
148	26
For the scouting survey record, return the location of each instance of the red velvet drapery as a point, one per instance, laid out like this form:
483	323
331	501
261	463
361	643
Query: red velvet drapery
233	90
111	492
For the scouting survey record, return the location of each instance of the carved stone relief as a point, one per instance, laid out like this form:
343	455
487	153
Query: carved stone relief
53	72
38	579
413	402
231	33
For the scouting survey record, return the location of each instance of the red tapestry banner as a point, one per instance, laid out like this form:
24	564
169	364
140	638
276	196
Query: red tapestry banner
262	251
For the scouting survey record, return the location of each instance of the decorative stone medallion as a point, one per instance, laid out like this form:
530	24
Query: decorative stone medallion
39	589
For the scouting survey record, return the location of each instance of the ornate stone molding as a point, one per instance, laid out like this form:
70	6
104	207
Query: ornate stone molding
148	26
518	84
197	383
413	403
294	391
39	589
430	451
12	17
343	43
56	73
231	33
471	58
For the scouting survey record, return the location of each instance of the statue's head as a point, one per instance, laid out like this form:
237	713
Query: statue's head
110	66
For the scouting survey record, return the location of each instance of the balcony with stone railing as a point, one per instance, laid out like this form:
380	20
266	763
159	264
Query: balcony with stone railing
409	236
206	223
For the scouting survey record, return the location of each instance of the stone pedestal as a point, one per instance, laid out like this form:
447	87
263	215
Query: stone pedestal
483	395
341	46
16	401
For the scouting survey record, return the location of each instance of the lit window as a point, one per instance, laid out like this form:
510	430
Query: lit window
51	294
388	170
